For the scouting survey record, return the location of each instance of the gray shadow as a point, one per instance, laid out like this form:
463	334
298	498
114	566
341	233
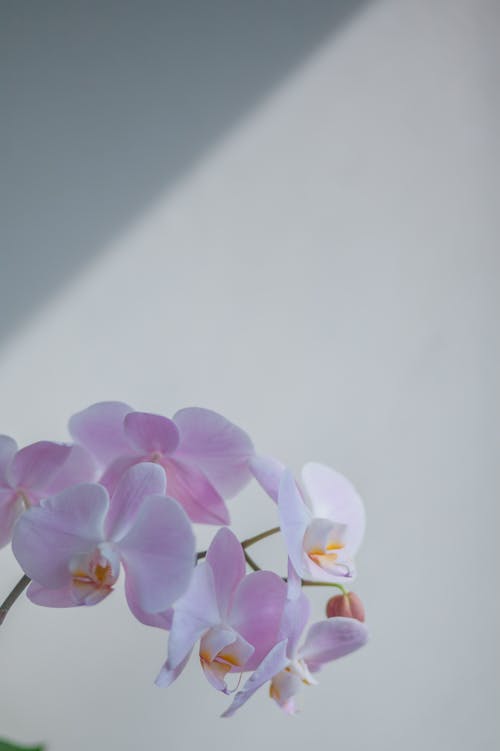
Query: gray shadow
105	104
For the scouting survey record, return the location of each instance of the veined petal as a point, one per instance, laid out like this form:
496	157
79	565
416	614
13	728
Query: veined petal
275	661
135	484
227	561
78	467
8	448
284	687
216	446
35	466
158	620
223	651
191	488
268	473
194	613
295	617
295	517
167	676
334	497
257	612
150	433
328	640
47	537
158	554
11	508
100	429
51	598
114	473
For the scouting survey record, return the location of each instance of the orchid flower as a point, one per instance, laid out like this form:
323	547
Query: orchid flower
288	666
35	472
73	543
204	455
322	534
235	616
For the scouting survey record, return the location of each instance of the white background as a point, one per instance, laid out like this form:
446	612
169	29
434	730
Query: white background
325	275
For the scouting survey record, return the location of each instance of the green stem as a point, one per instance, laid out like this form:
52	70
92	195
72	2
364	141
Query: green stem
12	597
246	543
251	562
257	538
306	583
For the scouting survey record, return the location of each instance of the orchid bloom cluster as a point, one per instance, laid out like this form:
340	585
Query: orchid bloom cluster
126	494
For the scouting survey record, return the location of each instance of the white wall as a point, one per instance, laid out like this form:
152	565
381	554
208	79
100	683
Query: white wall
327	278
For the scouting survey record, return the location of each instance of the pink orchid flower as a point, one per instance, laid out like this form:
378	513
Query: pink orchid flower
287	666
323	529
235	616
73	543
204	455
35	472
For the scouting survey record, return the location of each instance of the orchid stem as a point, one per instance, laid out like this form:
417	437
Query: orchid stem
246	544
251	562
306	583
12	597
252	540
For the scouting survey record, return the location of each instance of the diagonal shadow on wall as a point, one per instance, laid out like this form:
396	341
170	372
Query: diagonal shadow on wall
106	104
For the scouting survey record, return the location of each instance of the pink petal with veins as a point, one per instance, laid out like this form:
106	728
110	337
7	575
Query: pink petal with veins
34	467
257	611
219	448
11	508
151	433
100	429
158	554
189	486
48	536
275	661
295	517
328	640
227	561
138	481
268	473
334	497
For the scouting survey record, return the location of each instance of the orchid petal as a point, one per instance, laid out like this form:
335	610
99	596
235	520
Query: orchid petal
167	676
136	483
294	520
151	433
158	554
79	467
295	616
158	620
227	561
257	611
268	473
275	661
218	447
284	686
328	640
230	653
294	585
114	473
48	536
190	487
194	613
334	497
11	507
100	429
35	466
8	448
51	598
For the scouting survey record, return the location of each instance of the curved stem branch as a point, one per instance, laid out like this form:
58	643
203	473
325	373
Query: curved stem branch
251	562
246	543
12	597
306	583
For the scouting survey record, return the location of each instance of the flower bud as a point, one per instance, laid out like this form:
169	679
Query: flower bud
348	606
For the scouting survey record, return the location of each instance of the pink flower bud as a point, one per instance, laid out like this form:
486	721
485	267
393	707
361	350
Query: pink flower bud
348	606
